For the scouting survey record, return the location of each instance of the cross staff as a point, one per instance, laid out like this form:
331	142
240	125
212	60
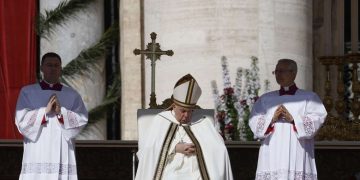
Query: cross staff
153	52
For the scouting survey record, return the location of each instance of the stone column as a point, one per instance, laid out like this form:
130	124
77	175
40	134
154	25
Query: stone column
286	32
68	41
130	65
328	35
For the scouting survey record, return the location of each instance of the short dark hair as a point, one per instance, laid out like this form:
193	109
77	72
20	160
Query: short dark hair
292	64
50	54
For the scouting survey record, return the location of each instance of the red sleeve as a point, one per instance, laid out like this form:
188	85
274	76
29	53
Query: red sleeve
60	118
270	129
43	121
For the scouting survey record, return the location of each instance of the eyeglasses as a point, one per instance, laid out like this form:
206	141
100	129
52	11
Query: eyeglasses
281	71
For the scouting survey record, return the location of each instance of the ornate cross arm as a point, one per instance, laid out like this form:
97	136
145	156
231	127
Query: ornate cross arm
157	53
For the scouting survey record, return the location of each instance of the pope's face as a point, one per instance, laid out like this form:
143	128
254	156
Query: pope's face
51	69
284	75
182	114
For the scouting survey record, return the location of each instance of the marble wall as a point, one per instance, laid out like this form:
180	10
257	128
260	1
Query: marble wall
200	32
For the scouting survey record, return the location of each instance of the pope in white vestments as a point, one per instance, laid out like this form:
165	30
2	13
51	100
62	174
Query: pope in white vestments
181	146
286	121
49	116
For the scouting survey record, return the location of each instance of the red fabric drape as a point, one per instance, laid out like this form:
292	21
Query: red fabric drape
17	58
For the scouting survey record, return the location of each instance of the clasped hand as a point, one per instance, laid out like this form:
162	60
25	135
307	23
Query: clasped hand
282	113
185	148
53	105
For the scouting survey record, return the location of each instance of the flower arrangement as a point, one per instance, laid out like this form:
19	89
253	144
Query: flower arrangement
233	107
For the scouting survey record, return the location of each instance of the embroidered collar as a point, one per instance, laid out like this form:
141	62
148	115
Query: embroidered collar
291	90
168	115
46	86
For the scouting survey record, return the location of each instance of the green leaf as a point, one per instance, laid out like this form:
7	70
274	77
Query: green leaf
88	57
46	24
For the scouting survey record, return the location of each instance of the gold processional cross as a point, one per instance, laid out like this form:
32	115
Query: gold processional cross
153	52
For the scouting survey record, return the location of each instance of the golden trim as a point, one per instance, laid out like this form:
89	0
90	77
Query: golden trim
183	104
165	151
199	155
189	91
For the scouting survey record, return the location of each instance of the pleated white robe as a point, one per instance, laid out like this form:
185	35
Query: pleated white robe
49	152
287	153
179	166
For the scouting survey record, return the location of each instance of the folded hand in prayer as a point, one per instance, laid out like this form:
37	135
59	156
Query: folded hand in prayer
185	148
277	114
286	115
57	106
53	105
282	113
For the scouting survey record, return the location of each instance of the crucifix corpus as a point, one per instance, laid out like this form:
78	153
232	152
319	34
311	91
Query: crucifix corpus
153	52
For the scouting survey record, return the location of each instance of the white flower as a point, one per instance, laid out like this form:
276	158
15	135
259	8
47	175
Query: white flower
242	94
226	76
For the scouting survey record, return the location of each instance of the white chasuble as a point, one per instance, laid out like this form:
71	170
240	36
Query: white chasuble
49	152
287	152
158	159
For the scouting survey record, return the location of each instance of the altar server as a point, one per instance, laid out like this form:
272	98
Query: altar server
49	116
286	122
